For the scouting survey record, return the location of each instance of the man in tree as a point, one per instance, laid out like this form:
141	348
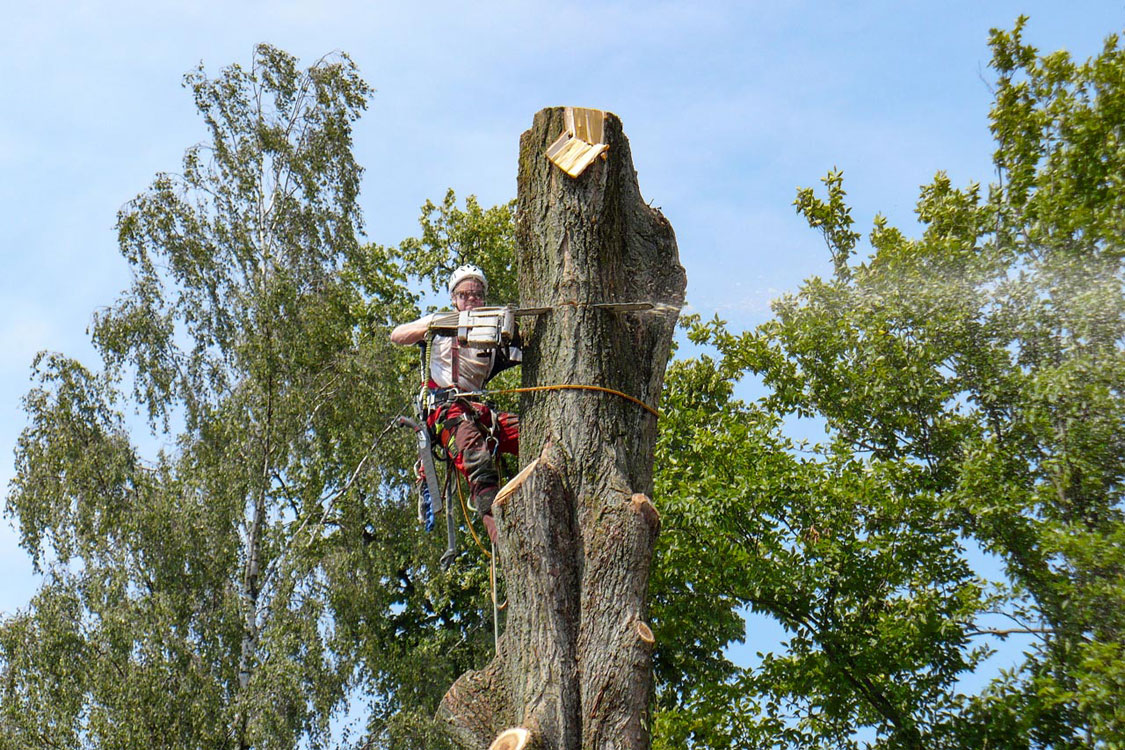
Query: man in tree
470	431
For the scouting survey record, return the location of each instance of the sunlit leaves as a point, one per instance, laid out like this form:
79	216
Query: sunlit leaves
972	388
255	336
453	236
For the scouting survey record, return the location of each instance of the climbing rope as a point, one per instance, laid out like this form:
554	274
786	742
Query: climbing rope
468	518
496	605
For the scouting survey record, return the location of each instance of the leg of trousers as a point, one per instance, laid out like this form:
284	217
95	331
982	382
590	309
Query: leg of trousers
469	445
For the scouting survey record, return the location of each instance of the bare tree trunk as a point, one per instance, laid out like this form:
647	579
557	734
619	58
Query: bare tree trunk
576	538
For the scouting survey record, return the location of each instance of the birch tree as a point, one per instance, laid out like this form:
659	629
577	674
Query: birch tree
187	598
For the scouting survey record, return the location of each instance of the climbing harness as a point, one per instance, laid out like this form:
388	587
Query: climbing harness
482	328
434	495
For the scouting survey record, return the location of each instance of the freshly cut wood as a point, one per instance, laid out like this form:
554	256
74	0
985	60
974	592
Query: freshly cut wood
511	739
581	140
644	632
514	483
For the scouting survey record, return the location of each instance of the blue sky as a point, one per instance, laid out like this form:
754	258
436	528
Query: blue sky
729	107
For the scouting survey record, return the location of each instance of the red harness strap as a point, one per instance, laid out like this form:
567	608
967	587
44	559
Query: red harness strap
456	364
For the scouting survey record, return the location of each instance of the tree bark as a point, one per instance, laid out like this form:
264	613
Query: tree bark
576	537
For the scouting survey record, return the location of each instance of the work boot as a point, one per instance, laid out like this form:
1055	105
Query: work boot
483	498
490	526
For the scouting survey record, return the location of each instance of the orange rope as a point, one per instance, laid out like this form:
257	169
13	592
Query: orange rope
468	519
496	606
626	396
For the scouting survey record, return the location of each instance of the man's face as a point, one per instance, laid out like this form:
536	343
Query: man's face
468	294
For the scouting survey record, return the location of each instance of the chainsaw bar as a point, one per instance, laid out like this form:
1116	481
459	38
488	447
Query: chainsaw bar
487	327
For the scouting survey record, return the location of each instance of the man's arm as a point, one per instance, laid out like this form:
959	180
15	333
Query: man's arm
411	333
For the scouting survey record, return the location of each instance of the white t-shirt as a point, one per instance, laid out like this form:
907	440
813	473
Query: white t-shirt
474	365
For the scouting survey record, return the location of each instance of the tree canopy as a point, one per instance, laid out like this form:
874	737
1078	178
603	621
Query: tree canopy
235	590
970	381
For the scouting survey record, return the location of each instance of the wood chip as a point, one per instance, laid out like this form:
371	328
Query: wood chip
514	484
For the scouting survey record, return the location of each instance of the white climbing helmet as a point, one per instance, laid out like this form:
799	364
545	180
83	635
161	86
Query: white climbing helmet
468	271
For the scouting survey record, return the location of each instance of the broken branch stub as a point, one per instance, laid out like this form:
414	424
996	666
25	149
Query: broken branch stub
644	632
511	739
514	483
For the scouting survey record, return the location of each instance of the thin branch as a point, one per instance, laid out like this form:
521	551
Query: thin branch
1005	632
274	564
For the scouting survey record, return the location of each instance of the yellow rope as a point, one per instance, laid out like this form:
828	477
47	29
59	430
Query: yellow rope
468	519
461	496
626	396
496	606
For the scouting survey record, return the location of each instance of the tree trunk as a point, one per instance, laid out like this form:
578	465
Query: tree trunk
576	537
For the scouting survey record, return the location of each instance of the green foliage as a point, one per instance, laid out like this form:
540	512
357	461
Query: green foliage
452	237
971	383
854	558
235	591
